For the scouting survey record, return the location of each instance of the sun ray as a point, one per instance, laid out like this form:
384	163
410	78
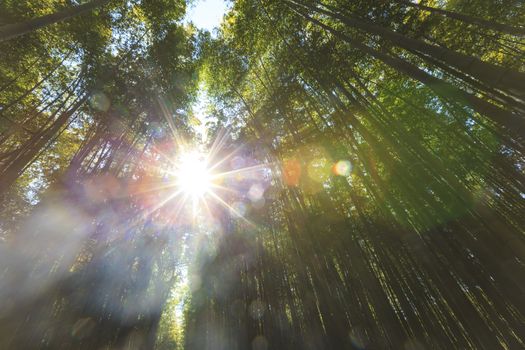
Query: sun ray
225	158
218	143
240	170
224	188
229	207
145	215
162	203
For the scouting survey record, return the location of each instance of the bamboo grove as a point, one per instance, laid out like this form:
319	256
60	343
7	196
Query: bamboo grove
385	205
83	107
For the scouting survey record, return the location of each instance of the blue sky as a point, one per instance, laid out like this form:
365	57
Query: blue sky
207	14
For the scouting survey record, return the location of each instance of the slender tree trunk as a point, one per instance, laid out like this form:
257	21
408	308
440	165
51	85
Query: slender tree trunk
26	69
504	28
509	121
12	31
15	169
4	108
507	80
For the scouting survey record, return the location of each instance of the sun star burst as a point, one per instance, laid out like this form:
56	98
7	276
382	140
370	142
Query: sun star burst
201	183
193	177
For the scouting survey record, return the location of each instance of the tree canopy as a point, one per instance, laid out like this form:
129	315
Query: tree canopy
315	174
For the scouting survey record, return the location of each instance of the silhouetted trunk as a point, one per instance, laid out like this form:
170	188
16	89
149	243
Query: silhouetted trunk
504	28
502	78
34	87
509	121
11	31
40	141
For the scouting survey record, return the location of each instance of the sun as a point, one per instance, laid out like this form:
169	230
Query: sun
192	174
198	184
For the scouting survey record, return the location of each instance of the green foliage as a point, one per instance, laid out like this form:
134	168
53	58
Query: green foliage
417	241
314	82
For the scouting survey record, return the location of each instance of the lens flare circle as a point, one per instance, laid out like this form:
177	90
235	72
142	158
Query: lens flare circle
343	168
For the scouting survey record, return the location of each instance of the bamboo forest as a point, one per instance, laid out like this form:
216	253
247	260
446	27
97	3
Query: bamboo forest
262	174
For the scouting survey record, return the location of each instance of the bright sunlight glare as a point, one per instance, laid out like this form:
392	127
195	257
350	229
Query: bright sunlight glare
192	175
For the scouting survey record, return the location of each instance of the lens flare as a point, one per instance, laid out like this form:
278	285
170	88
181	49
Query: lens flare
343	168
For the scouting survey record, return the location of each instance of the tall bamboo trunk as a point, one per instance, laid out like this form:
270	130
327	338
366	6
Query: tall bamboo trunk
512	82
505	119
14	30
500	27
16	168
